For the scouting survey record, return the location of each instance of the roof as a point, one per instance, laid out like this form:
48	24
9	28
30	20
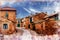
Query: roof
51	15
7	8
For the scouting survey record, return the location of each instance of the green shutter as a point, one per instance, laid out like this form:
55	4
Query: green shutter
6	14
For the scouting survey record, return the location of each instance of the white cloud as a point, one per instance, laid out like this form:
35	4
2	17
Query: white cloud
57	6
27	10
39	0
3	2
33	10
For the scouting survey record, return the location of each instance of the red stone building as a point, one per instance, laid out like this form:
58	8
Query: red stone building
7	20
38	22
27	21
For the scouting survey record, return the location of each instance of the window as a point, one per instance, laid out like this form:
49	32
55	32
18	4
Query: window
6	14
18	25
5	26
29	26
30	19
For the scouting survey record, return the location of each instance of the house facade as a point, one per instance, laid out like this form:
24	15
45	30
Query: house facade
7	20
38	22
27	21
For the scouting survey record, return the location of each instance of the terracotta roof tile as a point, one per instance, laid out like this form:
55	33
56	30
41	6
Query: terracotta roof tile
7	8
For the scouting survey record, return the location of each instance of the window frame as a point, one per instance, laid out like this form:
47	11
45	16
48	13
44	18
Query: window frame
6	26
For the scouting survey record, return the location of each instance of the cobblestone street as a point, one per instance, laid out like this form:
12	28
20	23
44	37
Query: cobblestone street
27	34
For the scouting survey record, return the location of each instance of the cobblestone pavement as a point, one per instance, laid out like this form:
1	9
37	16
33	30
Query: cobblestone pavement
25	34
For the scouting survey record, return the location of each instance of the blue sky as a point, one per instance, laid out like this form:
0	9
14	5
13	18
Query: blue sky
26	8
